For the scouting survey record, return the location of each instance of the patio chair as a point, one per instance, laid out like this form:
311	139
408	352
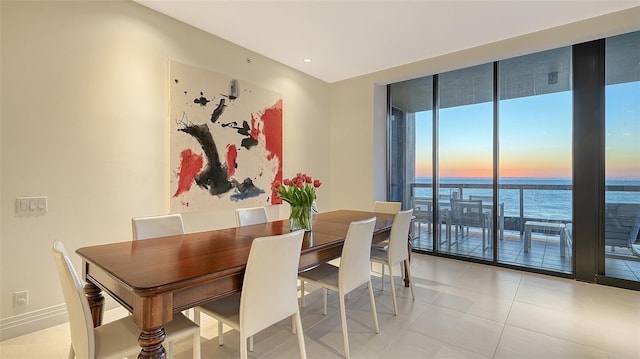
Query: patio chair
423	213
622	225
469	213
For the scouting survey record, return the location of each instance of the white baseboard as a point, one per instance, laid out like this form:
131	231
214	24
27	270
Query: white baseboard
30	322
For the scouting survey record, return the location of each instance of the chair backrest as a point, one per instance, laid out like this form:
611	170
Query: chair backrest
422	208
270	287
356	253
157	226
487	199
622	224
467	212
249	216
399	237
387	207
78	311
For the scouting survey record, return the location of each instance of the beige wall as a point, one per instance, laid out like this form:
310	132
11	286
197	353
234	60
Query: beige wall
84	99
85	122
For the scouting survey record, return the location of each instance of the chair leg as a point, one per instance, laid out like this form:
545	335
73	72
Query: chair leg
196	315
196	345
343	314
243	347
484	246
72	353
251	343
407	266
373	307
220	333
302	293
382	277
293	325
170	351
324	297
393	291
301	346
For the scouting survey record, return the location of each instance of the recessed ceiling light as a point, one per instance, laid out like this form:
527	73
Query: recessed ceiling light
307	60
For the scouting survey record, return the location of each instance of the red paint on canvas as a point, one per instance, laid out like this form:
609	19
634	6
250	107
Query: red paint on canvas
255	131
190	166
272	120
232	154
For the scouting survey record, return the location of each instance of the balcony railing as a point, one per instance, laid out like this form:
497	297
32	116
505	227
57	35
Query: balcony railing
522	202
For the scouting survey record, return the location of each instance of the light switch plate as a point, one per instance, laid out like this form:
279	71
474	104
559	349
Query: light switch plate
31	205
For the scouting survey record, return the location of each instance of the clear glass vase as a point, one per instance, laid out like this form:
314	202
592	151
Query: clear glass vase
300	218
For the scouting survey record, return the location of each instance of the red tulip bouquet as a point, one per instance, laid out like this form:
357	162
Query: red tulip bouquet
300	192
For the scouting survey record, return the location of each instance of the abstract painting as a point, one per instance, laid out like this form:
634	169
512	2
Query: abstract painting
226	141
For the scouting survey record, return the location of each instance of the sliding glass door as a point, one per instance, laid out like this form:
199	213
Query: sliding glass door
621	246
465	152
535	160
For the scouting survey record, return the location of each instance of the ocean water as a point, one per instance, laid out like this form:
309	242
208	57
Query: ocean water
551	204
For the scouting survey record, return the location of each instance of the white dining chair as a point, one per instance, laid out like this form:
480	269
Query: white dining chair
244	217
352	272
117	339
387	207
396	253
157	226
249	216
269	291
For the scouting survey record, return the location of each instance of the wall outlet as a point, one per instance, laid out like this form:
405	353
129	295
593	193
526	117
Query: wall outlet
21	299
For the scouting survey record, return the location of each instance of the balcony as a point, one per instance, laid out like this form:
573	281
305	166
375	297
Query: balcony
540	212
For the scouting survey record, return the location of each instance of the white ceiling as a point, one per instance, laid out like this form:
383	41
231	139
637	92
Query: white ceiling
346	39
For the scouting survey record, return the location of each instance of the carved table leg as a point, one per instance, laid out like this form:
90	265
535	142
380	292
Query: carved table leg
406	273
96	302
151	344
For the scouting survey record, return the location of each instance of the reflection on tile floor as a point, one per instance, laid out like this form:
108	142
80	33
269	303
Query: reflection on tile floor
543	254
461	310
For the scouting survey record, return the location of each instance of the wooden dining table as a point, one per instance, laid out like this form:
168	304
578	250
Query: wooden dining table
156	278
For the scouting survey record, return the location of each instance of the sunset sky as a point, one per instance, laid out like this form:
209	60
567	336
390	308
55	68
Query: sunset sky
535	133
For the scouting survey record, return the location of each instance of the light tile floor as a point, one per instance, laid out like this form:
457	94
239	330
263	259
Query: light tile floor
462	310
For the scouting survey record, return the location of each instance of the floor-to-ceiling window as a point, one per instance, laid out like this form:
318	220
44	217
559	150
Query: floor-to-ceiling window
535	121
488	161
465	161
621	248
411	129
